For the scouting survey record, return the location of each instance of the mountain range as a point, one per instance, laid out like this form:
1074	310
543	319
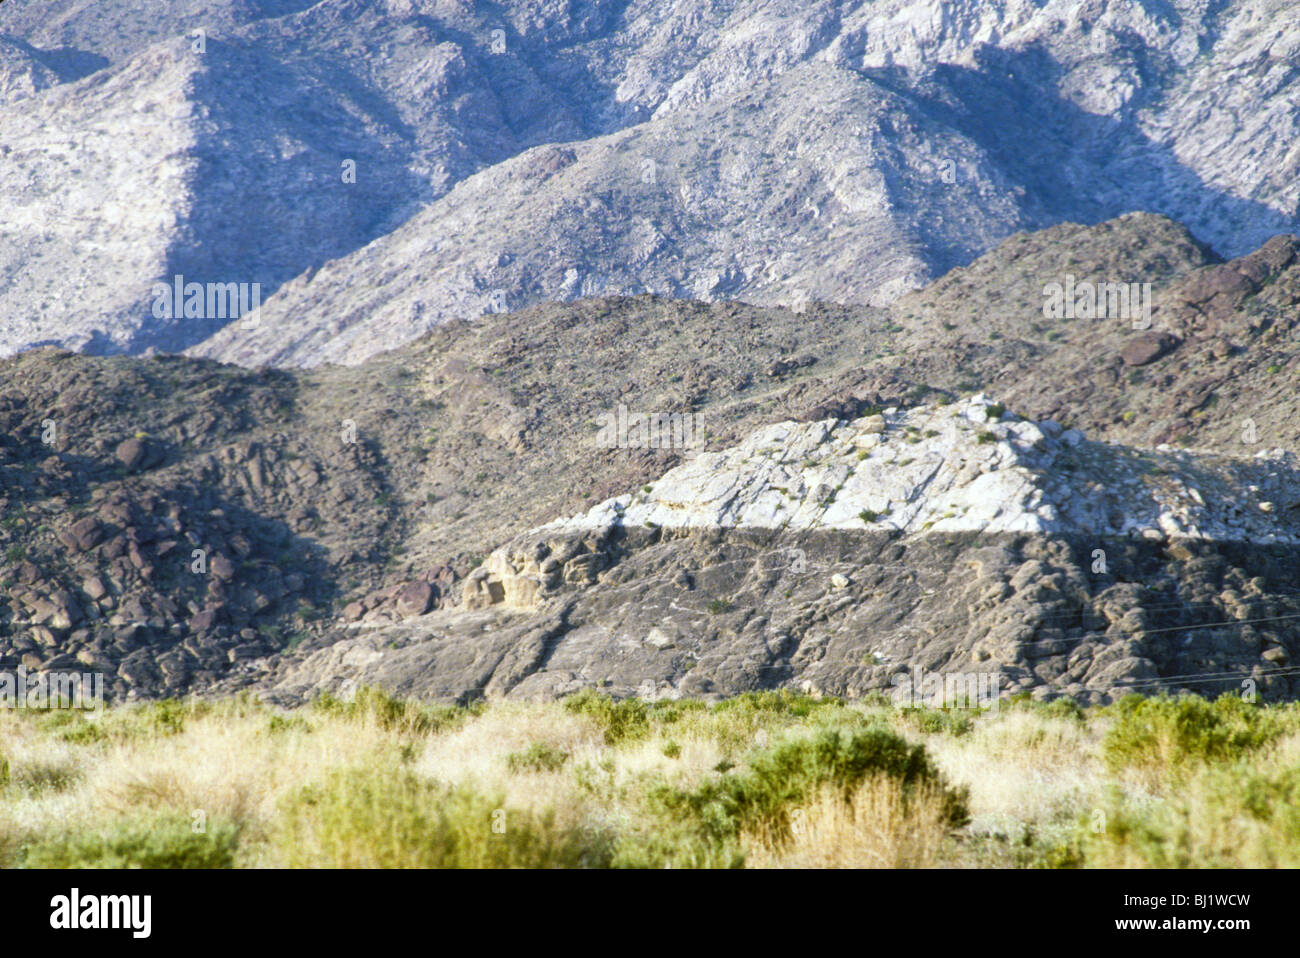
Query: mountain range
381	167
850	490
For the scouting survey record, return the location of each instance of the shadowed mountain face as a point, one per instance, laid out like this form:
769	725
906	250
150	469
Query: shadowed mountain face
379	168
453	517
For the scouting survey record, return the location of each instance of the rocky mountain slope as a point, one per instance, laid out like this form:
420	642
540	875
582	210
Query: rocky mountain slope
777	152
662	208
206	124
308	492
342	509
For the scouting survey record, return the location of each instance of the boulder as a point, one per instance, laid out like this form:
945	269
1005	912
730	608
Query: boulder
59	611
204	620
1148	347
94	587
222	568
416	598
137	454
84	534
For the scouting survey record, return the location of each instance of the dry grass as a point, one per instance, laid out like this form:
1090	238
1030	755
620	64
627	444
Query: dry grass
221	767
1023	766
1042	786
878	826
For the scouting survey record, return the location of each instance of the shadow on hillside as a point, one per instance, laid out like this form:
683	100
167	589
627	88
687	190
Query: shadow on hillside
1073	164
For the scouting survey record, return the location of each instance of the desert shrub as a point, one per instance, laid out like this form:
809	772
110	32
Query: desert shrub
1169	733
675	843
160	842
48	774
668	711
619	719
538	757
1063	708
391	713
1221	817
361	818
932	721
74	727
166	717
280	724
878	825
241	705
132	722
735	724
783	702
784	775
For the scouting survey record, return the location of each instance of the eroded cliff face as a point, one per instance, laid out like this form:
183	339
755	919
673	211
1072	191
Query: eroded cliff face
695	612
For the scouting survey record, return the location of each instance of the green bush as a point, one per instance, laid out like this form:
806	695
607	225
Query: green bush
782	702
76	729
668	711
932	721
391	713
43	775
782	776
363	818
163	842
1170	732
168	716
161	718
1061	708
280	724
538	757
1233	817
621	720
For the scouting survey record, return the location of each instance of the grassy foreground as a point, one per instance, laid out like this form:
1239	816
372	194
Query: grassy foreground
763	780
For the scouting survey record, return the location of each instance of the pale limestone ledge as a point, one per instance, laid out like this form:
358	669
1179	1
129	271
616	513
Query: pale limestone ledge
928	470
